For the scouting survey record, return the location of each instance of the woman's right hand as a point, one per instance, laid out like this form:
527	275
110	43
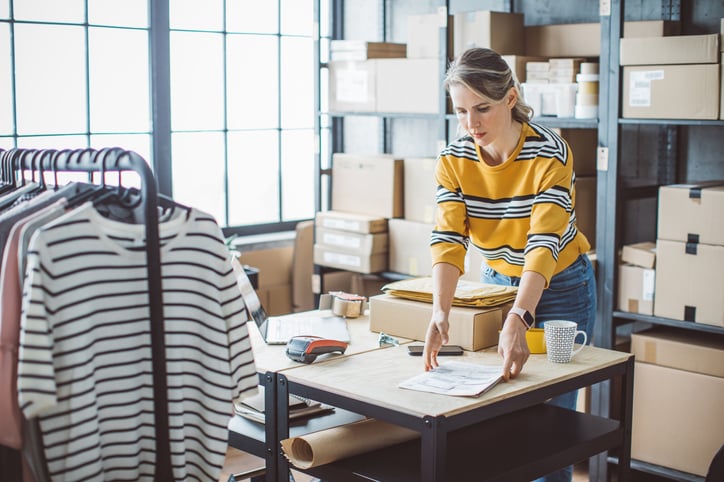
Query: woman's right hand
435	338
513	347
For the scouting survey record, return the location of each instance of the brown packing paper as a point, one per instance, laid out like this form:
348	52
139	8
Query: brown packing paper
326	446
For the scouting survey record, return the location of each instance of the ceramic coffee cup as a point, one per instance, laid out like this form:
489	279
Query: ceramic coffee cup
559	338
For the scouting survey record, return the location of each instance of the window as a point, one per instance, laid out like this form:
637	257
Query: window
76	73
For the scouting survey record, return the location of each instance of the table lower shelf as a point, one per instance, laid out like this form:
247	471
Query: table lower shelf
527	444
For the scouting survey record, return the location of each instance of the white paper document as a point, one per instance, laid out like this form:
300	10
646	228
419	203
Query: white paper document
456	378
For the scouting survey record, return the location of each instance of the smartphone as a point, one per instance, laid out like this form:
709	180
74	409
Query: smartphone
446	350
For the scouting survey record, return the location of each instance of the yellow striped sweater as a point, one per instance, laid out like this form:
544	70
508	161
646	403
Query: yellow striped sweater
519	214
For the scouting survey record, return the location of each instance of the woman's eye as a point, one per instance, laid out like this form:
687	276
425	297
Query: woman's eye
483	109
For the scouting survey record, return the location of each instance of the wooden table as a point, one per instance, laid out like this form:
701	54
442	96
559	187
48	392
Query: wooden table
271	360
507	434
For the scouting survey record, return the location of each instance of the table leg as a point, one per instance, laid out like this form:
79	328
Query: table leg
433	449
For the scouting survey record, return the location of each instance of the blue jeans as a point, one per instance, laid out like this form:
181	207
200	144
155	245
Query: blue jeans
571	295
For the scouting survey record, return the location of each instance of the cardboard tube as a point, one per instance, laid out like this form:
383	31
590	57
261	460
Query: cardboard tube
325	446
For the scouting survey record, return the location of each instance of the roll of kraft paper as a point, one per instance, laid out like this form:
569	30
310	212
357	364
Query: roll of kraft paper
325	446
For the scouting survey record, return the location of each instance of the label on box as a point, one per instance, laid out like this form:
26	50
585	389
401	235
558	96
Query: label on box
336	239
341	224
640	87
648	285
343	259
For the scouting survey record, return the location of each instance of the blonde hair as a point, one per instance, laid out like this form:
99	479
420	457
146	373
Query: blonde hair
484	72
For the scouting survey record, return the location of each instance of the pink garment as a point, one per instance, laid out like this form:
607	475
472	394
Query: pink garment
11	295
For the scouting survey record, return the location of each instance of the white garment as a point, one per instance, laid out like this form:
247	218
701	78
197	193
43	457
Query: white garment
85	357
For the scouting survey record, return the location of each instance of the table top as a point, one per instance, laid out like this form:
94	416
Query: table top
373	376
272	358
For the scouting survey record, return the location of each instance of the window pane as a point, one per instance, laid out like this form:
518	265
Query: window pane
119	90
198	171
297	17
197	86
298	175
126	13
50	10
138	143
253	177
297	83
251	16
196	14
253	88
4	8
6	92
50	79
6	143
53	142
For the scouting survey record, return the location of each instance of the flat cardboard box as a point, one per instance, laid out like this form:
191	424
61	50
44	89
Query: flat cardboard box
357	223
368	184
471	328
671	91
357	243
651	28
677	418
563	40
423	35
681	349
687	212
586	201
410	247
352	85
420	185
680	49
690	285
500	31
359	263
636	289
408	86
641	254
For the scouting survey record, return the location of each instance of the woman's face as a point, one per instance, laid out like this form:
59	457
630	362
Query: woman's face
484	119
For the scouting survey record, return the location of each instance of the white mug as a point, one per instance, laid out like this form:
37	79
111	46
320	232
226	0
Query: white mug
560	335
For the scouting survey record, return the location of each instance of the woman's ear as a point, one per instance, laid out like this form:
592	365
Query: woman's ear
512	97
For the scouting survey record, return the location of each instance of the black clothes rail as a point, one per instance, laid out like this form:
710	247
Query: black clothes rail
15	162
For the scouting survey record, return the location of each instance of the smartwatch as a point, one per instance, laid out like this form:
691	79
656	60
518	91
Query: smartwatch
524	315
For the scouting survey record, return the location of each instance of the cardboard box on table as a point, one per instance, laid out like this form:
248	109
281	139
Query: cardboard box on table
471	328
678	395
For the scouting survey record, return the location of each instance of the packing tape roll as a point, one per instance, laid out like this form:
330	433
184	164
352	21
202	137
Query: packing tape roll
346	308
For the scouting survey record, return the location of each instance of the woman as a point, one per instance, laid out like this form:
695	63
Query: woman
507	188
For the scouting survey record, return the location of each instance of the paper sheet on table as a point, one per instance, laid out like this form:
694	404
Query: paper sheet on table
325	446
456	378
467	293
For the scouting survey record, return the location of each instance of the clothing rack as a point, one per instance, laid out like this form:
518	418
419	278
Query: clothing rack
17	161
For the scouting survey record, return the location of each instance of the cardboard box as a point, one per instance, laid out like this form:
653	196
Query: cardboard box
274	265
686	212
358	243
352	86
681	349
358	223
519	65
566	40
420	186
471	328
586	200
640	254
690	282
681	49
636	289
651	28
677	420
367	284
408	86
423	35
359	263
671	91
368	184
500	31
410	247
361	50
276	299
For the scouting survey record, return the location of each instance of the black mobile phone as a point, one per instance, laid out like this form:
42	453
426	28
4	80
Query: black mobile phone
446	350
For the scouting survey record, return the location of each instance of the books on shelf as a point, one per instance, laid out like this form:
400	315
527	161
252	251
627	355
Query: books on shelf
253	408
